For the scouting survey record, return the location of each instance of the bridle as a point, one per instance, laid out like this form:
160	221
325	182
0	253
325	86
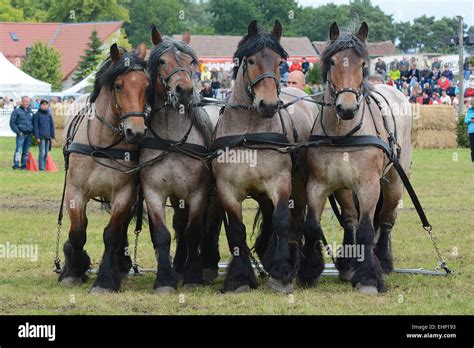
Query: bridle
122	116
251	83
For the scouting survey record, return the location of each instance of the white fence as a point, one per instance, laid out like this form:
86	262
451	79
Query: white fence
5	130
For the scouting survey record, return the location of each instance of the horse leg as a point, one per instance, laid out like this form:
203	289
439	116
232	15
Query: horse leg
124	259
240	274
77	262
180	220
346	264
367	277
277	259
312	261
109	277
193	267
166	280
210	244
266	226
392	193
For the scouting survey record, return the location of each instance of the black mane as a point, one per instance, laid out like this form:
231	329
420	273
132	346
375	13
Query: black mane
250	45
108	72
344	41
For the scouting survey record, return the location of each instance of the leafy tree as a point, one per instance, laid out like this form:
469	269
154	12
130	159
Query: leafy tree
44	63
34	10
90	59
9	13
86	11
314	75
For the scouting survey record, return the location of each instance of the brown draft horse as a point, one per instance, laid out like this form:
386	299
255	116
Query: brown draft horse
254	109
176	130
366	185
101	139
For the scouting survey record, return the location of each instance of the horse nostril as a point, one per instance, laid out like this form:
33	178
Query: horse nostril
340	109
128	133
262	104
179	89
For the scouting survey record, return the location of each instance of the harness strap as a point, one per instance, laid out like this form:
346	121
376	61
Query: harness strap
265	138
155	143
114	153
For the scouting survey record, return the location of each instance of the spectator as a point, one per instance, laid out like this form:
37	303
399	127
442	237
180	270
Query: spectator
469	120
448	73
456	100
426	75
390	81
214	74
296	79
284	70
404	62
445	99
21	122
435	99
405	89
414	75
467	71
226	85
206	74
304	66
216	87
8	103
295	66
404	74
436	64
1	103
394	73
443	83
206	91
380	67
43	129
395	65
427	92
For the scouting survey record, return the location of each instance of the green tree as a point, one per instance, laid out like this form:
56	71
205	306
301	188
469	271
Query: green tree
34	10
314	75
86	11
8	13
90	59
44	63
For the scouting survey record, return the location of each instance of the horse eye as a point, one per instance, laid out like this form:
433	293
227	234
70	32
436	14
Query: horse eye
118	87
332	62
161	61
251	62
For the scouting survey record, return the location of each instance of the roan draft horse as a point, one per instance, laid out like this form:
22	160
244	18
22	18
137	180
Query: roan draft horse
252	121
365	182
100	144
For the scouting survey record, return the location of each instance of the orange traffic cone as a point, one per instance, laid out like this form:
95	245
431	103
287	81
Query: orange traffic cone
50	165
31	163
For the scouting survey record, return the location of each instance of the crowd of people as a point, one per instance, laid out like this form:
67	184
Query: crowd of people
426	84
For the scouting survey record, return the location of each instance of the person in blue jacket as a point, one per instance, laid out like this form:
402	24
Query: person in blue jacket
21	123
469	120
43	129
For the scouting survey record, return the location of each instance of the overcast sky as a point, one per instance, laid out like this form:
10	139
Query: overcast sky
407	10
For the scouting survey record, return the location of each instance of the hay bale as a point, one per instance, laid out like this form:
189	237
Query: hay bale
60	114
434	139
434	117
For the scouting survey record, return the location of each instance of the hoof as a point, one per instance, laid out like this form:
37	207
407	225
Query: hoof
190	286
164	290
209	275
241	289
302	284
72	281
278	286
345	276
97	290
124	276
366	289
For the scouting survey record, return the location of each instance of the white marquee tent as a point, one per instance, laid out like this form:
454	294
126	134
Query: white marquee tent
16	83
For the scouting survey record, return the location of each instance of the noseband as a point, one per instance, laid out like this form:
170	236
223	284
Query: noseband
251	83
165	80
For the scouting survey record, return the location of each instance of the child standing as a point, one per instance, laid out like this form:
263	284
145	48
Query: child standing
43	129
469	120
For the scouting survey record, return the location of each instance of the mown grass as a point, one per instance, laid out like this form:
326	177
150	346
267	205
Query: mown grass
443	179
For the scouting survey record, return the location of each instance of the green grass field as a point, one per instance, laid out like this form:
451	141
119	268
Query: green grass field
443	179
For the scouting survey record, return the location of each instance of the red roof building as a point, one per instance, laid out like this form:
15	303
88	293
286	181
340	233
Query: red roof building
70	39
376	49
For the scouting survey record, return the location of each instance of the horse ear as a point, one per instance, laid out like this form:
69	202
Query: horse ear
115	53
141	50
363	32
186	37
333	32
277	30
155	36
252	29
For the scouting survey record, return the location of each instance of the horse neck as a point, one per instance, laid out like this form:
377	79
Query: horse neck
335	126
172	124
98	133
